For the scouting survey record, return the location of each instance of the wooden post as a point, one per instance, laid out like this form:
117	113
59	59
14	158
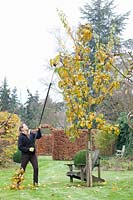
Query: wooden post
89	161
99	173
82	172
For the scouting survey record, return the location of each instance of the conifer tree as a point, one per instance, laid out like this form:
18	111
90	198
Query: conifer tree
101	15
14	101
32	110
4	96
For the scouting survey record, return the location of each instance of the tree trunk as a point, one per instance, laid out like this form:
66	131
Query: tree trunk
89	161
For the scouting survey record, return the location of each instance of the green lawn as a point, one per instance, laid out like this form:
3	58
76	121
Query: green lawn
55	185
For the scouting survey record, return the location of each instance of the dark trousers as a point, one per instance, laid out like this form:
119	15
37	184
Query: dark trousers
32	158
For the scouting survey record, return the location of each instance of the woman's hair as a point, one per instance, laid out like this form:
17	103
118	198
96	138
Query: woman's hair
21	126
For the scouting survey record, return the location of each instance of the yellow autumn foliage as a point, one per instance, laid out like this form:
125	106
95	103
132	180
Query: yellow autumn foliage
9	124
85	83
17	180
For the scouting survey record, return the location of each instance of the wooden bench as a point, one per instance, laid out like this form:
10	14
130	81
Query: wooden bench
79	171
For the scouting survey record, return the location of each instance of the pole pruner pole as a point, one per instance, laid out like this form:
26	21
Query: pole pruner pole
44	105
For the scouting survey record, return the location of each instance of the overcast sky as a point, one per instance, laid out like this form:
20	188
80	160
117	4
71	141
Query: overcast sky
27	39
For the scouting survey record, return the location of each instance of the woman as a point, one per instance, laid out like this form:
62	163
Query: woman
26	144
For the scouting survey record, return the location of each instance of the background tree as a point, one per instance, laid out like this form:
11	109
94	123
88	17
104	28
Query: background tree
101	15
32	110
14	101
121	100
8	98
4	96
108	25
54	114
22	112
60	114
126	134
128	44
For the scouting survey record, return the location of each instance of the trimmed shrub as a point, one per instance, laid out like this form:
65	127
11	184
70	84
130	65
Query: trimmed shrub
80	157
17	156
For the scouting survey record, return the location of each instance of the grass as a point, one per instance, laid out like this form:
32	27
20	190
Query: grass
55	185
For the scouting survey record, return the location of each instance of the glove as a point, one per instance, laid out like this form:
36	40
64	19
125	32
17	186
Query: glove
31	149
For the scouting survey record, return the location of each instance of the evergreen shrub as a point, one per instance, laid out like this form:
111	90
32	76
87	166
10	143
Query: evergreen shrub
17	156
80	157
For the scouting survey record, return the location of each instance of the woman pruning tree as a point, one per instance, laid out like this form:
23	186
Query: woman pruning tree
26	144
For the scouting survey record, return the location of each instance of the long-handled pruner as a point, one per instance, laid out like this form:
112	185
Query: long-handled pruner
44	105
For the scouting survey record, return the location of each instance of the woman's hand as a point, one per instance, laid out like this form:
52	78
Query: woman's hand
31	149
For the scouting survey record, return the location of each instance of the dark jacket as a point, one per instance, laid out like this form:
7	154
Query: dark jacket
24	143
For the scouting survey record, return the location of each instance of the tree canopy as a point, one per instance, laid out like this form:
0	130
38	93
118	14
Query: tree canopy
85	83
